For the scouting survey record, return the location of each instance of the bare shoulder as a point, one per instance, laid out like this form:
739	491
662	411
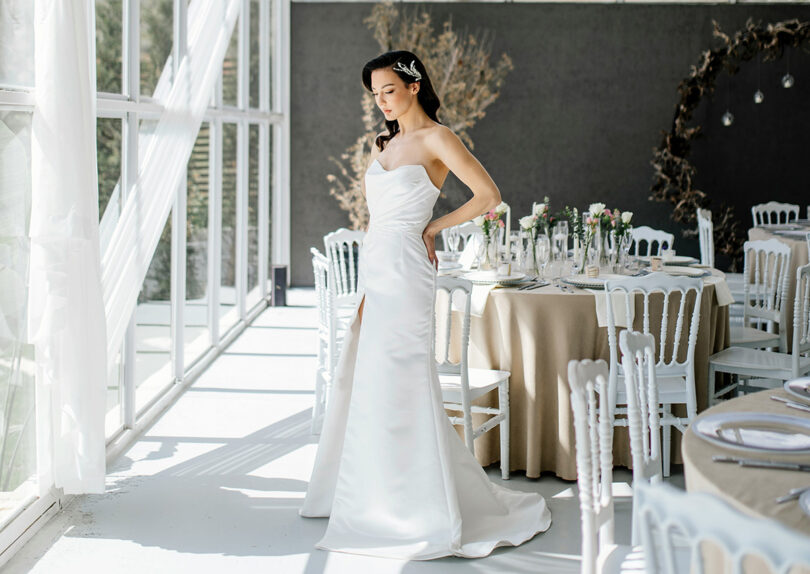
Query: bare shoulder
441	139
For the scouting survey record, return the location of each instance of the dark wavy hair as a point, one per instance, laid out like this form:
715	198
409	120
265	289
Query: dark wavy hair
426	95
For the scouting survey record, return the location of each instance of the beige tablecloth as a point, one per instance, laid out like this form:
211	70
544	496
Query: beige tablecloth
751	490
799	257
533	334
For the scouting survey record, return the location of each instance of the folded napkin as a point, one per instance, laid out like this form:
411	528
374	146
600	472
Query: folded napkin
721	291
619	308
467	257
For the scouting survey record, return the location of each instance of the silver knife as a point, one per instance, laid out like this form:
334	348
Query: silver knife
752	462
791	404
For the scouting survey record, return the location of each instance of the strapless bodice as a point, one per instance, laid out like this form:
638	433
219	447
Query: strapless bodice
400	199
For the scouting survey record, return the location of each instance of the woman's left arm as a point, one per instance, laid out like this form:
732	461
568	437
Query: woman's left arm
448	147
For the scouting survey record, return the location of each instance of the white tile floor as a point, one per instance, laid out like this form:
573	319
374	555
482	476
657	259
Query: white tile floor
215	484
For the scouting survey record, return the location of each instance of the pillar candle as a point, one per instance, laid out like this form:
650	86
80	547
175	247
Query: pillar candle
508	231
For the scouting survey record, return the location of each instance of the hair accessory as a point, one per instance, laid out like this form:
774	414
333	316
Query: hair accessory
412	71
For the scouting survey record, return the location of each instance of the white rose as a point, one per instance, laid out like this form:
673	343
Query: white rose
527	222
502	208
626	217
596	209
479	221
539	209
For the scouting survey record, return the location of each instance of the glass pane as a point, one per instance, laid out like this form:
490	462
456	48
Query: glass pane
269	70
254	55
109	18
153	369
108	146
228	313
17	421
253	290
197	335
17	43
230	70
156	42
115	389
270	211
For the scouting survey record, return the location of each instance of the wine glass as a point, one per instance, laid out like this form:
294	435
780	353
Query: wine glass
453	238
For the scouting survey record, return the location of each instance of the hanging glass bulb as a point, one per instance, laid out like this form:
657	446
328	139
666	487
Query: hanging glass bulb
788	81
759	97
727	119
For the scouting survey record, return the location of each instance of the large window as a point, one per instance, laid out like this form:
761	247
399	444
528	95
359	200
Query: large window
203	278
17	423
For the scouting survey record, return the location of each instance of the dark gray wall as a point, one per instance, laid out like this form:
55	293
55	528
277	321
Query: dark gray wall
578	117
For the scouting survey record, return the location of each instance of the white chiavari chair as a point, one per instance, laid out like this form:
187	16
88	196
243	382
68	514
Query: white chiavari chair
343	250
706	237
465	230
327	352
735	282
675	364
461	385
654	240
765	276
593	434
668	517
743	361
774	212
638	362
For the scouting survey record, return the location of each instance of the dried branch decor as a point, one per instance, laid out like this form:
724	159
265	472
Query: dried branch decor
462	76
674	175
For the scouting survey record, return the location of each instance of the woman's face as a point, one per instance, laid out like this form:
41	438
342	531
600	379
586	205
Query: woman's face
392	95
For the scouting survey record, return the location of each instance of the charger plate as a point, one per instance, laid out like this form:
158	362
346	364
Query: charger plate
585	282
799	388
756	432
489	278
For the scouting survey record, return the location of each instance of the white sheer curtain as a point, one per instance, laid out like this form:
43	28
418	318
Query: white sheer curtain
160	169
66	312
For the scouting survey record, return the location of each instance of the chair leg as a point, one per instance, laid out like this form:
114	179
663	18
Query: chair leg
667	439
503	427
711	399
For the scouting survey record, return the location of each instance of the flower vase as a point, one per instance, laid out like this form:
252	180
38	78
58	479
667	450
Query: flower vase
531	267
491	251
602	249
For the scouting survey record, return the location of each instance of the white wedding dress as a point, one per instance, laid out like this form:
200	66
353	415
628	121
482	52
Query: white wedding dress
391	473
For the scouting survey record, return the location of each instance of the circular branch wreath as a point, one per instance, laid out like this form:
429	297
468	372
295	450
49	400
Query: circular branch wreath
674	175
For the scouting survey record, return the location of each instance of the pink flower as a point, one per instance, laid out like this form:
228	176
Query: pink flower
589	221
607	212
500	223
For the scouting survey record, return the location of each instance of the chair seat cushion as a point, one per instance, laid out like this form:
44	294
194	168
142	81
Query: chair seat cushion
620	559
481	382
768	364
751	337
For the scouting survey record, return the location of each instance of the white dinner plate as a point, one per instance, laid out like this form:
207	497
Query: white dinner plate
799	388
490	277
756	432
585	282
685	271
675	260
804	502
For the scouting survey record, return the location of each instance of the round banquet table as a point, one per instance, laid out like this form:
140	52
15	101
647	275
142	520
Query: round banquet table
798	257
751	490
534	334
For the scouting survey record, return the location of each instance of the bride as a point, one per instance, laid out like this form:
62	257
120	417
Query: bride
391	473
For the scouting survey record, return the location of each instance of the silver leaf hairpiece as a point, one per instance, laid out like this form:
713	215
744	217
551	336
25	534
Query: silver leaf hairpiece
412	71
